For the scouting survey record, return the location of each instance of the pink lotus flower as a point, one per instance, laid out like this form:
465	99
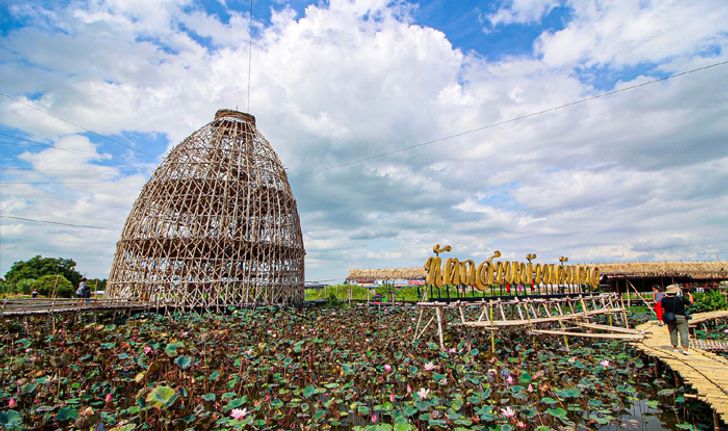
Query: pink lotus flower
12	403
604	363
108	398
451	350
510	380
429	366
374	418
508	412
392	398
147	350
423	393
409	389
530	387
387	367
238	414
521	424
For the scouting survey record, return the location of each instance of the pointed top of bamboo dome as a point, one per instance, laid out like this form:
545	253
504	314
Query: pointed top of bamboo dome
217	224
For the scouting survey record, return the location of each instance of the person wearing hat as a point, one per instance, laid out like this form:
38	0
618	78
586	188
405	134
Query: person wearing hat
673	314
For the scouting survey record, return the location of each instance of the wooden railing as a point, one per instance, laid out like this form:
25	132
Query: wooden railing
31	306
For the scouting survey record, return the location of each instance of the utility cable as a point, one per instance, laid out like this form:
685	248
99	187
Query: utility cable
116	141
44	144
467	132
84	226
250	50
60	183
510	120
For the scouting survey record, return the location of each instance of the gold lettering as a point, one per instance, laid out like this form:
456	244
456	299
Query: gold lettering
467	273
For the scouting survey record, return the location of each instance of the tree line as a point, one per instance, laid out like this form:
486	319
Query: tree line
48	276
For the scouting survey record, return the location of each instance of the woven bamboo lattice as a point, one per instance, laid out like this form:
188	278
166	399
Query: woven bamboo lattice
215	225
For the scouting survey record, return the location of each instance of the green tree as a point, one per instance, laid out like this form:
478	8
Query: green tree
54	285
22	286
96	284
39	266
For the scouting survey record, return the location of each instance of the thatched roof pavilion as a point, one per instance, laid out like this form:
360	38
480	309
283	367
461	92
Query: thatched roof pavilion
215	225
639	273
366	275
717	270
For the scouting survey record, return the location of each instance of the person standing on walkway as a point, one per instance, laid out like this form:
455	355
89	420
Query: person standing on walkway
83	291
657	295
673	314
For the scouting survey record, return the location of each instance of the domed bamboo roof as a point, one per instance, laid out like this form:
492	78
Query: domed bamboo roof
215	225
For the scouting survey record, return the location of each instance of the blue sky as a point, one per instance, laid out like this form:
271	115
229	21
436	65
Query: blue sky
339	81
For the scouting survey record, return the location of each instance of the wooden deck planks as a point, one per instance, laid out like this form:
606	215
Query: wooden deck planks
710	345
704	371
29	307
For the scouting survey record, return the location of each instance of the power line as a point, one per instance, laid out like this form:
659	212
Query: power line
60	170
39	183
32	142
116	141
402	149
70	150
510	120
84	226
250	49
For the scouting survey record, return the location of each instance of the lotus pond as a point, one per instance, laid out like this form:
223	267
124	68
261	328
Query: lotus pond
321	368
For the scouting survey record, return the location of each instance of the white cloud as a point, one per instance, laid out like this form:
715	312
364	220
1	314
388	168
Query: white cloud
631	32
522	11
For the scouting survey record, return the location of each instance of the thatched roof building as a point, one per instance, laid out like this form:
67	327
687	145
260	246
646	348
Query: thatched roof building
369	275
215	225
641	273
717	270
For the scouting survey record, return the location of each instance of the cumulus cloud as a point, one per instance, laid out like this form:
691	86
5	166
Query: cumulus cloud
640	175
631	32
522	11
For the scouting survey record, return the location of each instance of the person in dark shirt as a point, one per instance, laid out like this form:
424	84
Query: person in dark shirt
675	304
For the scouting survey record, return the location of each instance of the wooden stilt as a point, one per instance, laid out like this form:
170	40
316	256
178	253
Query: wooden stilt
417	327
492	330
438	312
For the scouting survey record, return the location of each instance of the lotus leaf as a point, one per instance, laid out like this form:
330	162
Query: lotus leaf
66	414
162	397
10	419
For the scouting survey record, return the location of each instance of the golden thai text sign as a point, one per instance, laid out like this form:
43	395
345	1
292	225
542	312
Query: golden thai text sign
455	272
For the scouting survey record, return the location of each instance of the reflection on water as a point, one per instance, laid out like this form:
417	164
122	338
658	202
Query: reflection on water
640	416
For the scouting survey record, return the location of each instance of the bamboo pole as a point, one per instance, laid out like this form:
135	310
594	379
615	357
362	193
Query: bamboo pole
492	329
642	298
438	313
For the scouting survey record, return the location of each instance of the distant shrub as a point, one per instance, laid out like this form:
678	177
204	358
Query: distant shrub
54	285
24	286
709	301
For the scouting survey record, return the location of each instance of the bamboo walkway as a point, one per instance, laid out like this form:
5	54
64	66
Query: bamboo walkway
704	371
39	306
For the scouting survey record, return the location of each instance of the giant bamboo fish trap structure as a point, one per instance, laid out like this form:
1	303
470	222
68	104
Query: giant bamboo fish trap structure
216	225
